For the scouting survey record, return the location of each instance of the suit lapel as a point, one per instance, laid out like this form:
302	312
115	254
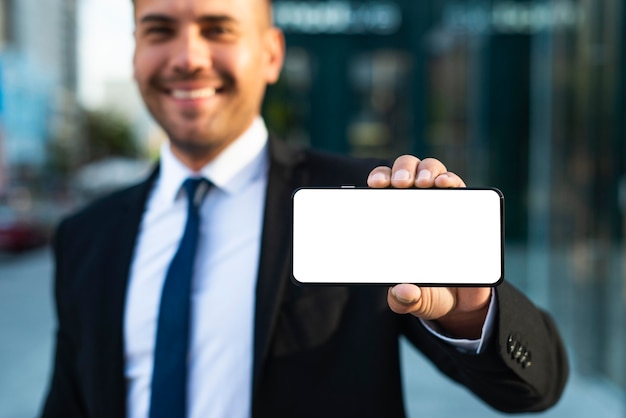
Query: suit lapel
110	367
273	273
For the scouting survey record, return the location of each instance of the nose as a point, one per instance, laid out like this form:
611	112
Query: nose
192	53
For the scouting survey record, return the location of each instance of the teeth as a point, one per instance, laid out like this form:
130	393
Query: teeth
193	94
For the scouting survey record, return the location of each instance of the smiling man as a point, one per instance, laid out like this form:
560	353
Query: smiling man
174	296
202	68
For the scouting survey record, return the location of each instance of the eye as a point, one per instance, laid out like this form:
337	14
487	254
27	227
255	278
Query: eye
158	30
215	30
156	25
218	31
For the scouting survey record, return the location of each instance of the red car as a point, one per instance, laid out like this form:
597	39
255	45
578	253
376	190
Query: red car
19	232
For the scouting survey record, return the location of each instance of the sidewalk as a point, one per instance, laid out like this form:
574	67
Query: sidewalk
26	324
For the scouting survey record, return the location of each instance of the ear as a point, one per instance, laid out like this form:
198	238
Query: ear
134	60
275	54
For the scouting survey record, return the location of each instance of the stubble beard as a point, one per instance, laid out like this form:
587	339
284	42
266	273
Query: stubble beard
196	140
197	145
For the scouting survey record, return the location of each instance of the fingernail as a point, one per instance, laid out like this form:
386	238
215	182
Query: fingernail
378	177
401	174
424	175
402	299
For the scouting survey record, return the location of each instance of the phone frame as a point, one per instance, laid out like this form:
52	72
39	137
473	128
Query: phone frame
494	227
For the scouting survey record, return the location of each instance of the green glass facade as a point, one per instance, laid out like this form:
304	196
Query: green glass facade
525	96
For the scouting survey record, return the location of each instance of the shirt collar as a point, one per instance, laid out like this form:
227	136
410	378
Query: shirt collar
240	163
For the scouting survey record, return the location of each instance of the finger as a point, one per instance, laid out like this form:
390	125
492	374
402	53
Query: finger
403	171
403	298
472	298
380	177
428	303
448	180
466	320
427	171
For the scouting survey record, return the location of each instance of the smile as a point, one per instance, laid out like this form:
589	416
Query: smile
193	94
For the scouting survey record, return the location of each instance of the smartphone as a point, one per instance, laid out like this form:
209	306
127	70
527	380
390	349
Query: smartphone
429	237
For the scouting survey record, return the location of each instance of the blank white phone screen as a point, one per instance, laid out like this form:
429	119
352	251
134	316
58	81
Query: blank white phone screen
387	236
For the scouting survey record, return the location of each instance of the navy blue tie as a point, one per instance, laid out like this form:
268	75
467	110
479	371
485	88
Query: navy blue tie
169	375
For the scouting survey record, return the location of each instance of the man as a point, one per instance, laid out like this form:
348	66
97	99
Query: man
258	345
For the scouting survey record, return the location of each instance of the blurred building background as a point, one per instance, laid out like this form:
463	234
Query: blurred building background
526	96
50	135
38	87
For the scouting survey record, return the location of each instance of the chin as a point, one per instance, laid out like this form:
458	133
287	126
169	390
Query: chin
192	141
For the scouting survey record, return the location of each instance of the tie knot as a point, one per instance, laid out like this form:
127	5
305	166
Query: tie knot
196	189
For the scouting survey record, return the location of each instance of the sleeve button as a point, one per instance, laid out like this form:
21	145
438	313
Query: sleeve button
511	345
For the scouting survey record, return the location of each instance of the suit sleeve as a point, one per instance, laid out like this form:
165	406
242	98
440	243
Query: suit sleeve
63	398
524	367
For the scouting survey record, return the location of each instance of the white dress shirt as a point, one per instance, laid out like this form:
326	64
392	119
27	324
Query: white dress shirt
224	283
223	290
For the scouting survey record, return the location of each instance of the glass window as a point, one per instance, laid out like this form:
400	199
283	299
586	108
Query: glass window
526	96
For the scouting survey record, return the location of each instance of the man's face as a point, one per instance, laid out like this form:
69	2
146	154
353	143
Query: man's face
202	67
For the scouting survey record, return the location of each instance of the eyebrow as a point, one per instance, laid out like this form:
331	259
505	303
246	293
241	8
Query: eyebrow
160	18
156	18
217	19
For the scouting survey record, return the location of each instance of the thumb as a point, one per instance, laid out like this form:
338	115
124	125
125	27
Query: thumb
423	302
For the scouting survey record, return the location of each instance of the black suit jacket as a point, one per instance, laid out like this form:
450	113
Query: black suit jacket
318	351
